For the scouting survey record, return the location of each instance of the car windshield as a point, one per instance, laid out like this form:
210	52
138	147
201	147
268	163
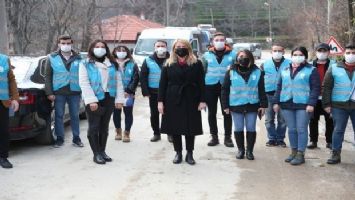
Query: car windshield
146	46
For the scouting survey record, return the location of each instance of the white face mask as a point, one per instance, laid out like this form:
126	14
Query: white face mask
349	58
219	45
121	55
99	52
322	55
298	59
65	48
277	55
161	50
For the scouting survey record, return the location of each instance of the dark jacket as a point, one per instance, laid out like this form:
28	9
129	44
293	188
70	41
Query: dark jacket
13	92
49	75
314	84
181	90
132	86
146	90
247	107
328	86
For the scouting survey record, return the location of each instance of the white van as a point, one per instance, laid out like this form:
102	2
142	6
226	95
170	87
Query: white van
145	44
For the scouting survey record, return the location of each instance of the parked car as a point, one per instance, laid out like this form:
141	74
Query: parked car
255	48
35	117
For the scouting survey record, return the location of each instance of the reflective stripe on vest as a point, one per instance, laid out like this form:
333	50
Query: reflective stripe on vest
96	83
342	84
4	82
271	75
297	89
242	93
127	73
61	76
216	71
154	73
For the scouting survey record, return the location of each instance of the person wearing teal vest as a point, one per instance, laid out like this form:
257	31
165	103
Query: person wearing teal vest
9	98
216	62
272	67
322	64
243	95
130	77
339	99
297	93
150	79
62	87
102	91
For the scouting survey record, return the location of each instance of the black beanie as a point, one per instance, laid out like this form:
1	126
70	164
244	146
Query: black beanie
301	49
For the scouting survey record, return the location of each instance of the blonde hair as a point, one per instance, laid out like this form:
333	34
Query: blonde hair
190	58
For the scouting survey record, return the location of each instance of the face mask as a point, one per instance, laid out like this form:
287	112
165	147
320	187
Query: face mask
160	50
219	45
99	52
65	47
182	52
244	61
298	59
121	55
350	58
277	55
322	55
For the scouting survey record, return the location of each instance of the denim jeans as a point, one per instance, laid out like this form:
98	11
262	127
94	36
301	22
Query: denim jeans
297	123
128	113
275	133
59	106
340	118
248	119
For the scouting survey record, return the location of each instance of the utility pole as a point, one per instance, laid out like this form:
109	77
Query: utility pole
4	43
268	4
351	21
212	20
167	12
330	8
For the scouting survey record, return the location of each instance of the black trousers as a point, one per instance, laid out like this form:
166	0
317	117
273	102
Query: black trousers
189	140
213	93
154	113
128	117
4	131
313	124
99	122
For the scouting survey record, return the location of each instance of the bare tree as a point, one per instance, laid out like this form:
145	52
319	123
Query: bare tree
3	28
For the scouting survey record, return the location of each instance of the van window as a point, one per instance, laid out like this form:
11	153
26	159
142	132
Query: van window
146	46
194	44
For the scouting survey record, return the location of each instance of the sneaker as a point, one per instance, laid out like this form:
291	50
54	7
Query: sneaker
78	143
313	145
271	143
281	144
58	143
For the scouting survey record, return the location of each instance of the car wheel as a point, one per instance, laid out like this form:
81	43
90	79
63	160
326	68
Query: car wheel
47	137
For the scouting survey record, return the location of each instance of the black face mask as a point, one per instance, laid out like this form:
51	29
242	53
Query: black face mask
244	61
182	52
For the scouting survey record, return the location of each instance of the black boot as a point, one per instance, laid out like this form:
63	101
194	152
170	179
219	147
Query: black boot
189	158
239	139
228	141
94	144
170	138
335	158
251	137
178	158
214	140
5	163
102	147
155	138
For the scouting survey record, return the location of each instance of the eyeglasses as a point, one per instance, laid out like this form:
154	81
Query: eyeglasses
348	53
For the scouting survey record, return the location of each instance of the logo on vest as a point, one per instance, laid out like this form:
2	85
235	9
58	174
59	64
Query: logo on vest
1	69
253	77
230	58
302	75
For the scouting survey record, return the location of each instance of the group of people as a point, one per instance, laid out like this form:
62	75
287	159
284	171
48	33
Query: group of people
179	86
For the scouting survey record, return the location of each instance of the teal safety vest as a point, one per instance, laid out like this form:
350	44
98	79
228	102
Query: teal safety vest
61	76
297	89
271	75
242	92
343	86
127	73
216	71
95	80
154	73
4	82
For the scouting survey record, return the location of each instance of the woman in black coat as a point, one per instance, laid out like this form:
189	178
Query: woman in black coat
181	98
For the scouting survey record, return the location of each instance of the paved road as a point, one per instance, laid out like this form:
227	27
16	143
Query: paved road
144	170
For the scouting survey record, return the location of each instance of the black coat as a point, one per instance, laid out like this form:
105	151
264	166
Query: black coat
181	90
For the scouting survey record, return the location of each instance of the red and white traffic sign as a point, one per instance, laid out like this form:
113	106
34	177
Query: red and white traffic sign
335	47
